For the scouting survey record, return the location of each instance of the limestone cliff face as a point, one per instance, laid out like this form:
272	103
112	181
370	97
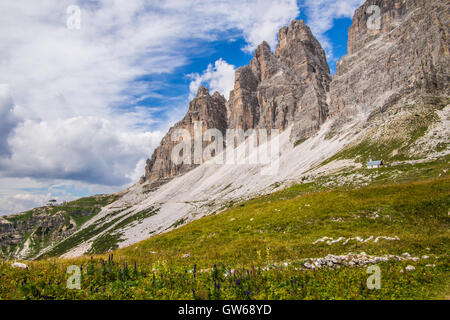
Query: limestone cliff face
407	55
300	51
207	109
283	89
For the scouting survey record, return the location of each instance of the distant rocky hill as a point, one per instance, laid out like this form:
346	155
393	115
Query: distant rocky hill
389	99
25	235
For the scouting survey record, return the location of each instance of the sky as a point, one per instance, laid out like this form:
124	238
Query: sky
88	88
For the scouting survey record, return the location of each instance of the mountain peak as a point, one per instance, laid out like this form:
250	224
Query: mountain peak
264	63
217	95
295	32
263	46
202	91
300	50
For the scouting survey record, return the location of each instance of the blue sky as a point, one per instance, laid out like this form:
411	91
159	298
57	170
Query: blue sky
177	82
232	51
82	109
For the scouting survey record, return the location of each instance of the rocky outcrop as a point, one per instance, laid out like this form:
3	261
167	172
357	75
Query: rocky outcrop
39	227
354	260
284	88
210	111
407	55
5	226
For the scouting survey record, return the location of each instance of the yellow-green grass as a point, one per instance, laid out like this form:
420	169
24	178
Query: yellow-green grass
110	280
257	237
284	225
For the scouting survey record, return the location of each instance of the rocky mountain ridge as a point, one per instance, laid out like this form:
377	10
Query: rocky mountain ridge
275	91
390	92
293	86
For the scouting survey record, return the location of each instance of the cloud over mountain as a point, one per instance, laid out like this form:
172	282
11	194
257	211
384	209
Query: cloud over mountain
219	77
78	112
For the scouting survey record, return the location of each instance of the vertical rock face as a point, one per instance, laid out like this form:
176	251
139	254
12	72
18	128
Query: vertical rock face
408	54
242	107
285	88
300	51
5	226
207	109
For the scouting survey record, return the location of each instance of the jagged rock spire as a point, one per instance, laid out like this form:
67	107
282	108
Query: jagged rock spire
283	89
204	108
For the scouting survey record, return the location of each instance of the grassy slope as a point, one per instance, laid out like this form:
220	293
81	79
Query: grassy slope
288	222
114	222
255	237
394	140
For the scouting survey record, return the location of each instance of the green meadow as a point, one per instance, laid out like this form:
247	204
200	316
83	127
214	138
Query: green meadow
257	249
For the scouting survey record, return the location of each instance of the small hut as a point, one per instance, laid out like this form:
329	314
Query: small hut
373	164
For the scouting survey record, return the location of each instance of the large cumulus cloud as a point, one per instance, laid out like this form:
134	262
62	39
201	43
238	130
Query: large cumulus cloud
8	120
76	116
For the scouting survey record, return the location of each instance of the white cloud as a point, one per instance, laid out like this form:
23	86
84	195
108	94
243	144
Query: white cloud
85	72
138	170
8	120
88	149
219	77
21	202
75	112
321	15
258	20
